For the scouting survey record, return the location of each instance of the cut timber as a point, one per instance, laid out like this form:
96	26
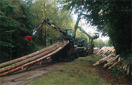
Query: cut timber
103	60
105	51
27	64
128	69
108	64
29	59
27	56
112	60
119	59
125	66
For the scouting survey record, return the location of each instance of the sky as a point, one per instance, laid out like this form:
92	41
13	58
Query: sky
89	28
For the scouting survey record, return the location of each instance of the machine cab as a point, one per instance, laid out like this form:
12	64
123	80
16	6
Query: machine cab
69	33
96	35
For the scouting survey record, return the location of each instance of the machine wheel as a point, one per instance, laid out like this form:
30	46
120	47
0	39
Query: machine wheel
76	55
56	57
83	54
71	55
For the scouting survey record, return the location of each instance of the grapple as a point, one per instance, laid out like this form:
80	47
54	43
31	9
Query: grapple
30	40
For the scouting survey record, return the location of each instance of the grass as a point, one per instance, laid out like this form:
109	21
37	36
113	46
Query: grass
78	72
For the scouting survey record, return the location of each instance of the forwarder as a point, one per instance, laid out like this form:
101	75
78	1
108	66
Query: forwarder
68	35
82	47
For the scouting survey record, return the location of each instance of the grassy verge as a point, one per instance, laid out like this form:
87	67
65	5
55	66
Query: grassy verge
78	72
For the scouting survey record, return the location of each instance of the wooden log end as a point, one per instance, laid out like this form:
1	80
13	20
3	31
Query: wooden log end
97	63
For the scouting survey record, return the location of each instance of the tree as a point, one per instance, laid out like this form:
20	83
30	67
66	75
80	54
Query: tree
99	43
112	17
6	28
14	22
48	9
108	43
19	17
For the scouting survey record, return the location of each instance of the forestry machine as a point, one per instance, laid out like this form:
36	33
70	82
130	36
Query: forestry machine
89	46
67	34
83	48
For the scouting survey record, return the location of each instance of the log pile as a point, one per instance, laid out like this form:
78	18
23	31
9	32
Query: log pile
105	51
20	63
111	60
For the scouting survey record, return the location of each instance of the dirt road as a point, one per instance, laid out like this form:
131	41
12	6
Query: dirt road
25	76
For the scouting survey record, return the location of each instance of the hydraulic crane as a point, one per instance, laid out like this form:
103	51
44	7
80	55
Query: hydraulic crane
68	35
90	45
82	47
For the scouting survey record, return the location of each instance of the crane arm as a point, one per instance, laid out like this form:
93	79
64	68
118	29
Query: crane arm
76	26
85	32
47	21
52	24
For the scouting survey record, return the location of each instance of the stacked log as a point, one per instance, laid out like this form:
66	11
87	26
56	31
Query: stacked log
27	56
105	51
112	60
20	63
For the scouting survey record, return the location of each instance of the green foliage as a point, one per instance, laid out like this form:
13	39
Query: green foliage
6	27
99	43
108	43
81	34
19	17
48	9
116	72
112	17
14	26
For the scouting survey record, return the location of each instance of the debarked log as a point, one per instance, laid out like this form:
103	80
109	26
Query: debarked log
119	59
102	60
111	61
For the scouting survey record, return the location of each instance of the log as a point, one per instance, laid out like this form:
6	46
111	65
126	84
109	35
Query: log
125	66
104	55
113	59
115	63
104	50
27	64
128	70
108	64
100	61
103	60
27	56
29	59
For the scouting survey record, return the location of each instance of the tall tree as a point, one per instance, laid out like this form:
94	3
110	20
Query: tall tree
112	17
19	17
14	22
49	9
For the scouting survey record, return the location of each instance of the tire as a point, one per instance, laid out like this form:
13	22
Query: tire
55	57
71	55
76	55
